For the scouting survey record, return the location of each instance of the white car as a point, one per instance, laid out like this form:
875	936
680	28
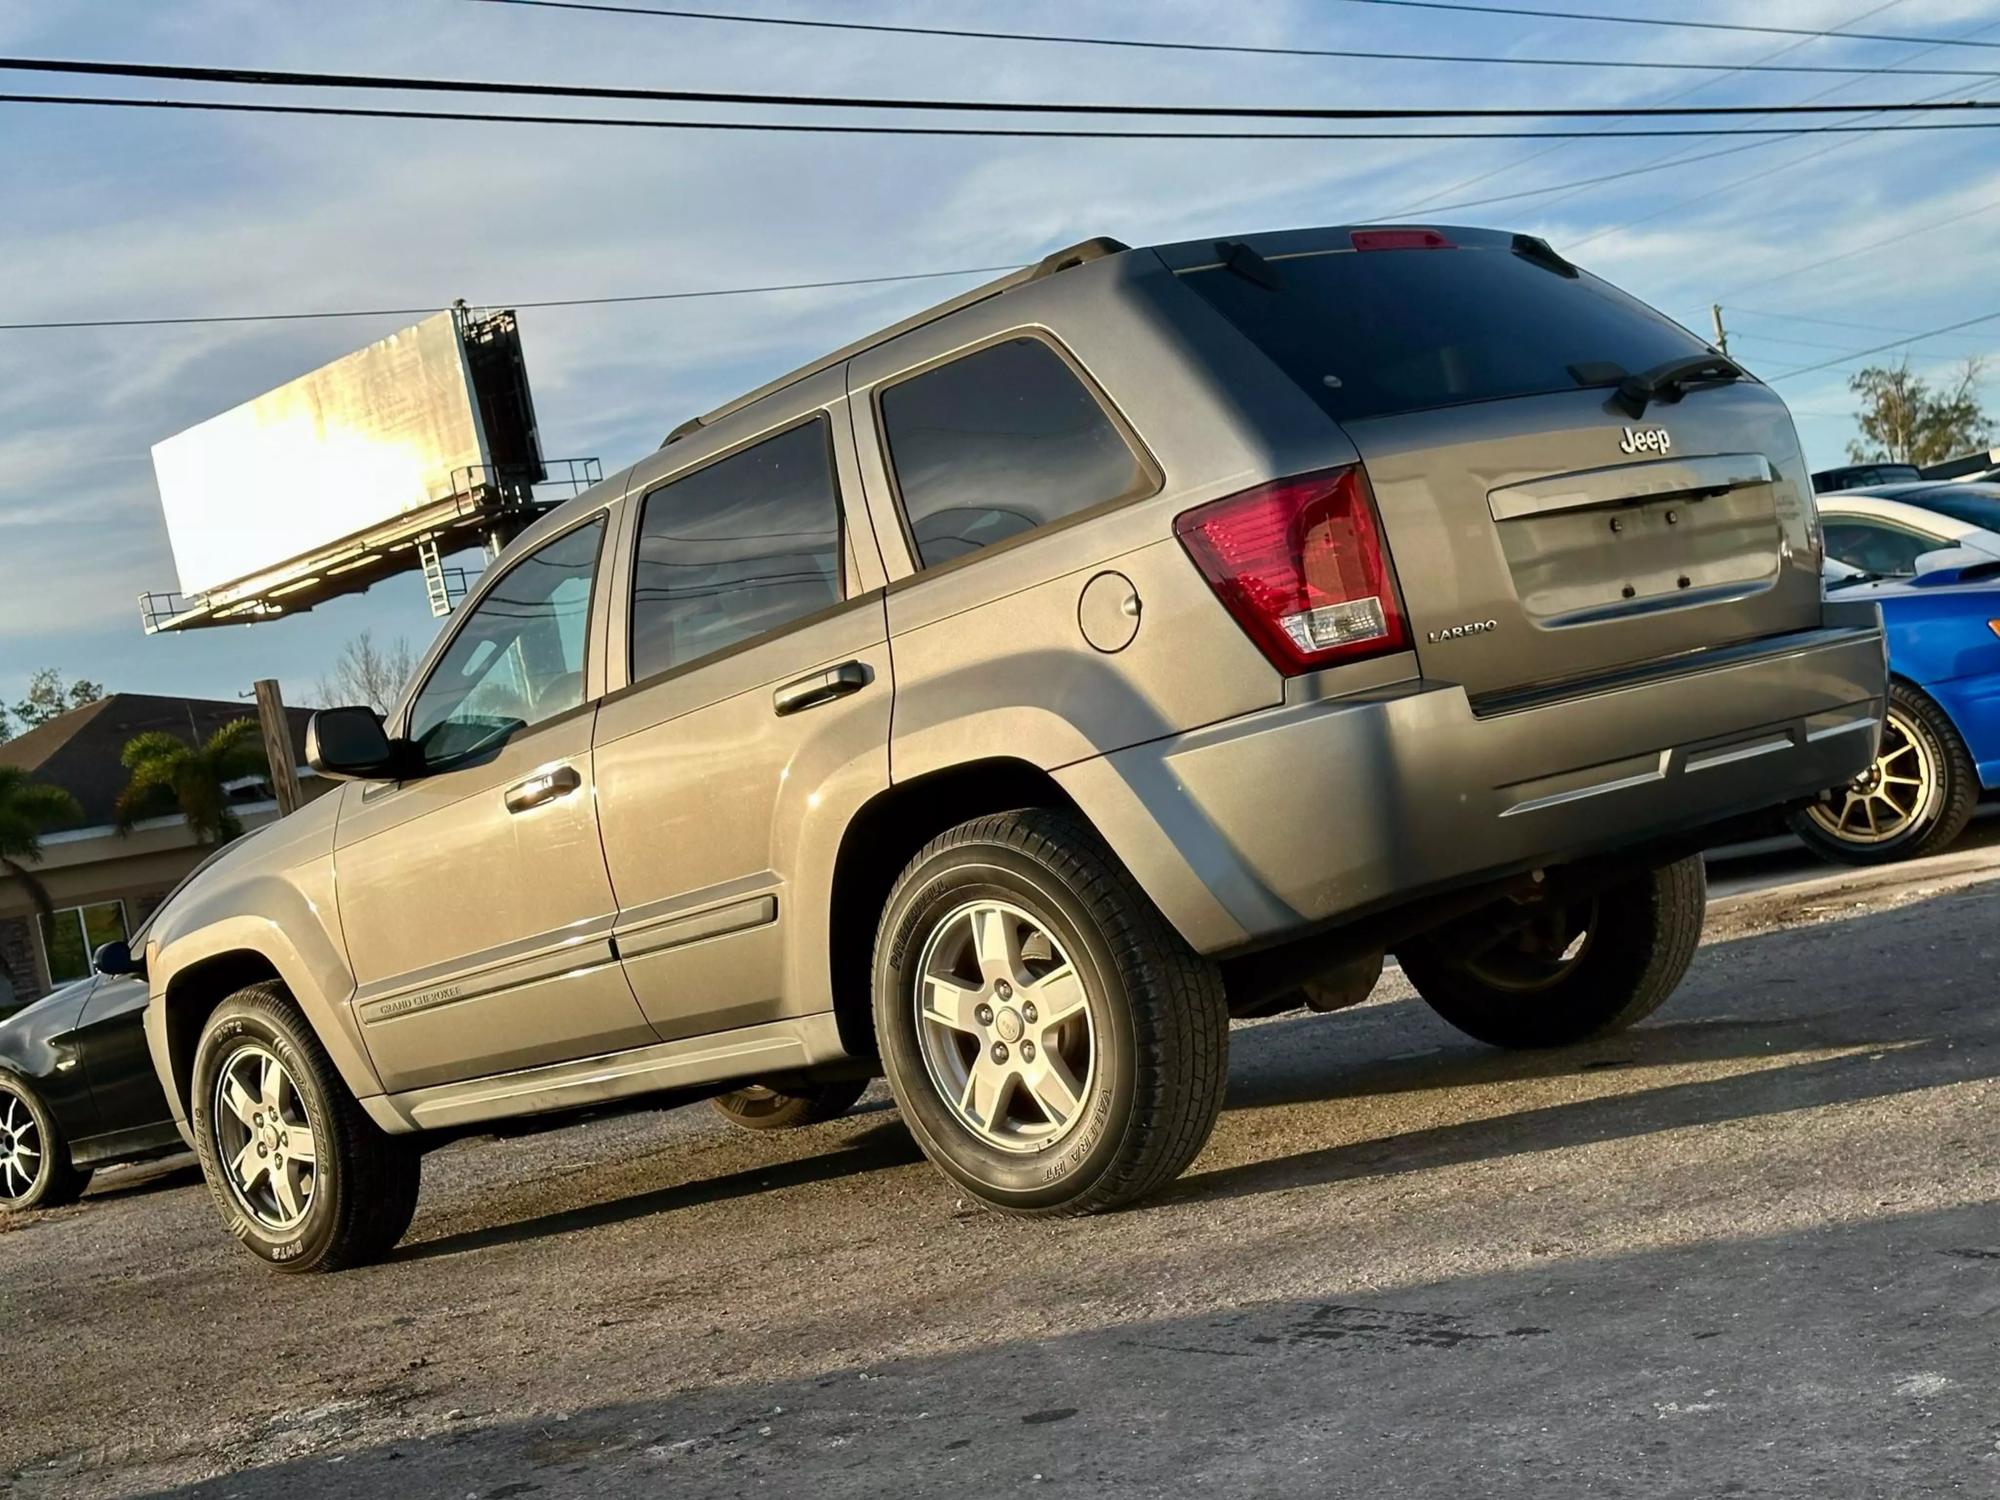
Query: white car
1885	528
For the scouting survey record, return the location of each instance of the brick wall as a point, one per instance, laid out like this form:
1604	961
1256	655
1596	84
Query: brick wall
17	957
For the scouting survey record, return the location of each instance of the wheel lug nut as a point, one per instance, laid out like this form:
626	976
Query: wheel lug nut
999	1052
985	1014
1027	1052
1028	1013
1004	990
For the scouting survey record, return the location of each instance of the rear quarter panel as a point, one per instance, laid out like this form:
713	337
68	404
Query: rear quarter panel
1941	641
990	654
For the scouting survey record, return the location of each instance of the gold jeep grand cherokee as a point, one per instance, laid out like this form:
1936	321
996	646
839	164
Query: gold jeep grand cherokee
1004	702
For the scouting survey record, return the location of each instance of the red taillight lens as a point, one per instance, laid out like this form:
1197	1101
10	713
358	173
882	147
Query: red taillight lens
1300	565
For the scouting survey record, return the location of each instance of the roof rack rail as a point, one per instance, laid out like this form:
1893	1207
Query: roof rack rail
1078	254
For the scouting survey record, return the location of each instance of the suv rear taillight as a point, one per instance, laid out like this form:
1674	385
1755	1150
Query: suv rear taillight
1299	563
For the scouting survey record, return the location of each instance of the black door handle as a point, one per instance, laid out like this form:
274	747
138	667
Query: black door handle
543	786
822	687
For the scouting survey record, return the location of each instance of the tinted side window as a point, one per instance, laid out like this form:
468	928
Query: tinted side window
1875	548
744	546
998	442
518	657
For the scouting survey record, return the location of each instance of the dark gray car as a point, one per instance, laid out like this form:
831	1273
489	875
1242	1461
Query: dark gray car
1005	701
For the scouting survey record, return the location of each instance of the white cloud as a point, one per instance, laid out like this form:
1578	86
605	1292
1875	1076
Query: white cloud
124	213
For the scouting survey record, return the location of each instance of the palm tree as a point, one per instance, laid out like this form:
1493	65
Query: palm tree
168	772
27	810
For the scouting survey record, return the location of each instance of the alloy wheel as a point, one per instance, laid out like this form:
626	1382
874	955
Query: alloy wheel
21	1149
1004	1025
264	1139
1891	796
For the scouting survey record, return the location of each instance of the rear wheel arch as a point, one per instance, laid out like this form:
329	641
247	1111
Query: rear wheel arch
882	838
1911	685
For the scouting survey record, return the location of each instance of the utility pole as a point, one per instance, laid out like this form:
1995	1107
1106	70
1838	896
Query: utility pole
1721	333
278	746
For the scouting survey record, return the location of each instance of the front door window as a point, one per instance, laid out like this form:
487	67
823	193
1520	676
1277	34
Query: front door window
518	658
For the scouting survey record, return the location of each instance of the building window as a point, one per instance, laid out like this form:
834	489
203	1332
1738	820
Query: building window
75	932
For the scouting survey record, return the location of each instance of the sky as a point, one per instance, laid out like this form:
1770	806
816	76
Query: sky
116	213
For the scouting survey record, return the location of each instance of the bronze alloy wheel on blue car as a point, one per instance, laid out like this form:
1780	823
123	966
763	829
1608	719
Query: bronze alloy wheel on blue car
1914	800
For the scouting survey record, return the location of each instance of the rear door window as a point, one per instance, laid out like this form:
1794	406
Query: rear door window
998	442
1375	333
736	550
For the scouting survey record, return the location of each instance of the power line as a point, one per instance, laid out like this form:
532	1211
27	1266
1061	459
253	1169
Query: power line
1903	234
1850	357
1236	48
1752	312
281	78
1546	151
415	312
1673	21
784	127
1785	166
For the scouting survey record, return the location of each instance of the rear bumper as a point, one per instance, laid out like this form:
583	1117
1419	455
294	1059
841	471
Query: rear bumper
1255	830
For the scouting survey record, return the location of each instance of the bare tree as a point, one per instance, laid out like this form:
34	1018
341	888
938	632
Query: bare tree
49	697
365	673
1905	420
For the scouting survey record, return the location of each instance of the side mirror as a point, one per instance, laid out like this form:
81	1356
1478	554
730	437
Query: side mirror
1953	565
350	744
115	958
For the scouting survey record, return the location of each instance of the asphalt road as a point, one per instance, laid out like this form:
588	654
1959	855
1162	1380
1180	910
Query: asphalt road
1752	1248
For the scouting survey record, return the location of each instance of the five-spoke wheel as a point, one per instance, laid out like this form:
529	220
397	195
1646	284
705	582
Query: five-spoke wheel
1053	1045
266	1137
304	1178
1004	1026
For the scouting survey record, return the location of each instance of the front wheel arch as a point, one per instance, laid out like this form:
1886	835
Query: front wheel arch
192	996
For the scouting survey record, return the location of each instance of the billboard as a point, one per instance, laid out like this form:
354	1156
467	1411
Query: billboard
383	431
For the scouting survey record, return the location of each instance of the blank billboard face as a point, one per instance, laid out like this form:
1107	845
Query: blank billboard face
355	443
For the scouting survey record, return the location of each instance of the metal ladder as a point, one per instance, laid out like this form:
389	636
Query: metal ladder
435	587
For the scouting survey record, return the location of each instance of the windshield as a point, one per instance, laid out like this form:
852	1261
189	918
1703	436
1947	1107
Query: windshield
1372	333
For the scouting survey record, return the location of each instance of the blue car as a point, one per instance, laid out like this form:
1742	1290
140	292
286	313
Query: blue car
1941	737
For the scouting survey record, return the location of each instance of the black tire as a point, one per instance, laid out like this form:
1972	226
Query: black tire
364	1183
45	1179
761	1107
1159	1022
1640	936
1917	736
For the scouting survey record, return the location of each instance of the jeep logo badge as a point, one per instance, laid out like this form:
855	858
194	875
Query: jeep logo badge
1645	440
1460	632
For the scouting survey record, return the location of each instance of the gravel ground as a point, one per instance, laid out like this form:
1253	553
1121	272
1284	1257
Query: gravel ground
1751	1248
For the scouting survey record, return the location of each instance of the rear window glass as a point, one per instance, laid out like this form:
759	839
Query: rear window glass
999	442
1373	333
1973	507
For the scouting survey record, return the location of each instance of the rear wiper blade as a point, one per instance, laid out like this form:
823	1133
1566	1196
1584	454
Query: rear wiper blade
1669	380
